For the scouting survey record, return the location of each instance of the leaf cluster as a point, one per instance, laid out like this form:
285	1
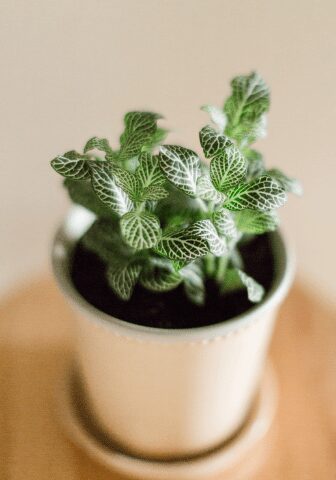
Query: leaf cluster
164	216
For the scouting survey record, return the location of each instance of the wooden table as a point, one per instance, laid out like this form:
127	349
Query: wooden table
35	339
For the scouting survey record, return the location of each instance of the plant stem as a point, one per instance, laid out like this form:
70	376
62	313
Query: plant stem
221	269
210	265
140	206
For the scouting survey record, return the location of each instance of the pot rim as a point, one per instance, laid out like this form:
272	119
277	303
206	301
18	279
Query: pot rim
76	223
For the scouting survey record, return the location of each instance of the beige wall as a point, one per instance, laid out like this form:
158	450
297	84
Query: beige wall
69	69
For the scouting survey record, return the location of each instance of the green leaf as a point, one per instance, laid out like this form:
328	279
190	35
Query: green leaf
263	193
182	245
81	193
158	279
72	165
151	205
178	264
225	223
255	161
139	129
193	283
232	280
250	94
212	142
217	116
153	192
103	238
289	184
207	191
249	131
255	222
157	138
140	229
127	181
254	129
150	178
181	166
205	229
250	99
108	191
255	291
178	208
228	169
149	172
96	143
123	278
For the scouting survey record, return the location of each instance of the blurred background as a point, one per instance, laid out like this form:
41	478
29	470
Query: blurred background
71	68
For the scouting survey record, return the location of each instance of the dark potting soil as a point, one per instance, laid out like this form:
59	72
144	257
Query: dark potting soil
171	309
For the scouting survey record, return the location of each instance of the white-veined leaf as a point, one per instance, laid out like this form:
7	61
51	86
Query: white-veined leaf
103	238
205	229
139	129
149	172
212	142
82	194
255	291
289	184
127	181
140	229
225	223
101	144
228	169
72	165
108	191
254	129
123	278
159	279
256	222
255	162
263	193
182	245
249	93
250	99
193	283
150	178
150	205
207	191
250	129
217	116
181	166
157	138
178	264
153	192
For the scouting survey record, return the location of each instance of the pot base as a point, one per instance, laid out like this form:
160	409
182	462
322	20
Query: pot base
234	459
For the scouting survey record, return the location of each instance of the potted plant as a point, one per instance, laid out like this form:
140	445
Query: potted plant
177	268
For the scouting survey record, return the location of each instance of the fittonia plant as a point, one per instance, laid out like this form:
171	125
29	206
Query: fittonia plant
166	217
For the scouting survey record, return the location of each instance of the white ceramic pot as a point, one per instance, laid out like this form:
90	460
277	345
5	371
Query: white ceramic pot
168	393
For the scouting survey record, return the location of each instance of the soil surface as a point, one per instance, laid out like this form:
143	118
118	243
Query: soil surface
171	309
